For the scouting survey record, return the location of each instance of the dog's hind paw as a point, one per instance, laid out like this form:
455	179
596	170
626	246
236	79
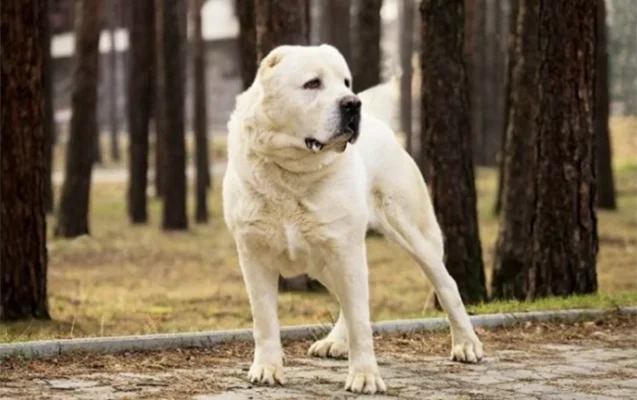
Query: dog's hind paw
333	348
467	350
267	374
368	382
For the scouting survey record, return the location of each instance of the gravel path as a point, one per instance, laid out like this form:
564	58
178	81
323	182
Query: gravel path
536	361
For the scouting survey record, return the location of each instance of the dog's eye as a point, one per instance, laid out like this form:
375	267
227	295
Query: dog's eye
313	84
347	83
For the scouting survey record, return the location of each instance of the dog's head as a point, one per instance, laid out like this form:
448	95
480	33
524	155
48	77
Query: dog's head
306	94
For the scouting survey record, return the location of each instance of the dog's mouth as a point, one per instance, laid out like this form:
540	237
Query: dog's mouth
339	141
346	133
349	128
314	145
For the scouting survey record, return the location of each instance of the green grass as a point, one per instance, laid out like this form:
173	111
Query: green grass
557	303
138	280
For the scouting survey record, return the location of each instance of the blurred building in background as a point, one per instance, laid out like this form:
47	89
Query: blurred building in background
220	32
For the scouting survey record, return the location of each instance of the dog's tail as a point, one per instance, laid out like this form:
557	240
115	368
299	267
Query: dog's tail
382	101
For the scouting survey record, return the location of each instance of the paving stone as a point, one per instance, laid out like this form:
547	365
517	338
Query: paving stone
577	372
70	384
631	383
222	396
577	396
629	393
530	388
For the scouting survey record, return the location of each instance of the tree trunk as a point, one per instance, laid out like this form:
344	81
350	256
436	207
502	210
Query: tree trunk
281	22
49	115
509	67
23	255
606	186
477	72
513	251
112	83
406	12
446	135
160	129
338	26
247	41
74	204
564	241
493	95
122	19
200	116
97	147
174	163
159	106
140	98
367	51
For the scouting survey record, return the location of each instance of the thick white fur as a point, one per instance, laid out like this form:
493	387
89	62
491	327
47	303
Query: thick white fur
292	210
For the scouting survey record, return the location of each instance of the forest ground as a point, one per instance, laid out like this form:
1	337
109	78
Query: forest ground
136	280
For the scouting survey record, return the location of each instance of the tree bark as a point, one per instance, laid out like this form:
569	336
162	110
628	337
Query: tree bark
200	116
494	95
247	41
565	241
174	163
367	51
49	115
605	182
159	106
446	135
406	12
280	22
509	67
477	48
338	26
74	204
513	251
140	97
112	83
23	255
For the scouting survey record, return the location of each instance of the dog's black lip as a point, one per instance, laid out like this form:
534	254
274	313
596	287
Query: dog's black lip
311	142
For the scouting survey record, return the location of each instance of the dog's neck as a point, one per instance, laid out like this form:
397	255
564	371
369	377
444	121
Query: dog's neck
269	154
266	142
270	162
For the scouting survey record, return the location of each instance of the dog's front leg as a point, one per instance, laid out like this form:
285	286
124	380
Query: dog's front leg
348	280
261	283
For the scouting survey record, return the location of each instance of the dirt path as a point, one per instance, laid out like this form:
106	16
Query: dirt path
593	360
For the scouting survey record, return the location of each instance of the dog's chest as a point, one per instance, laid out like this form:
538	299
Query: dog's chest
287	226
296	223
295	241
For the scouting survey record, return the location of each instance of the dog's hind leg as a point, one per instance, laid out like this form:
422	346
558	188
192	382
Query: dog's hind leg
417	231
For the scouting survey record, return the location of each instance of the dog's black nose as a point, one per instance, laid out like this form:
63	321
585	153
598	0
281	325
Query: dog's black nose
350	104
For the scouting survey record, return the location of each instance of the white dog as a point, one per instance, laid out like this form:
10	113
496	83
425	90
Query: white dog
307	174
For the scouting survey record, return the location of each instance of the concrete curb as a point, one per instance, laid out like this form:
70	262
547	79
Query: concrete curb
118	344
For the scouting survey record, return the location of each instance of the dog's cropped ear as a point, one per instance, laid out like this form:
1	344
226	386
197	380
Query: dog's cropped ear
274	57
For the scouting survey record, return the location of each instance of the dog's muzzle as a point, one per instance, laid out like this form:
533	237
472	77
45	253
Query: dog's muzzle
350	108
348	128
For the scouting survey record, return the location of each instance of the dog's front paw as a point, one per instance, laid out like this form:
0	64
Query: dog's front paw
466	348
334	348
365	381
268	374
